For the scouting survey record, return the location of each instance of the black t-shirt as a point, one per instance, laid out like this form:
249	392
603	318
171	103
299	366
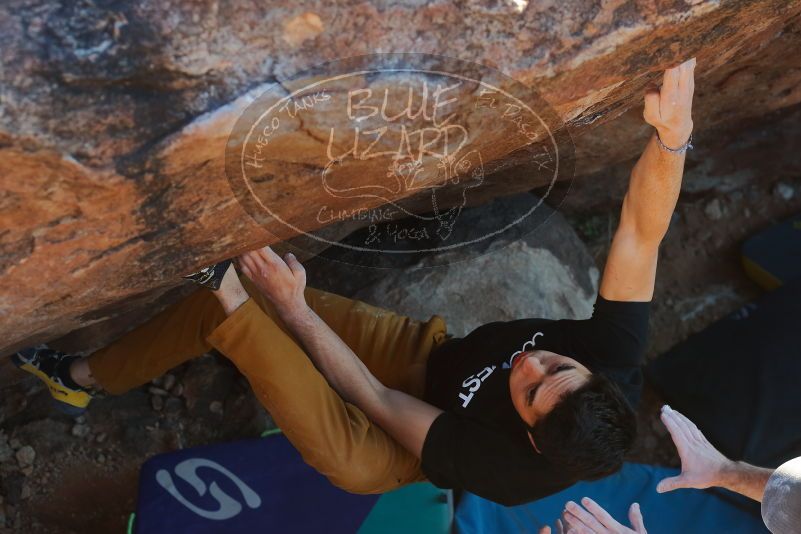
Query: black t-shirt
479	443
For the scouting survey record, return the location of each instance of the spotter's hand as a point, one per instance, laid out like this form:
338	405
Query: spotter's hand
702	465
593	519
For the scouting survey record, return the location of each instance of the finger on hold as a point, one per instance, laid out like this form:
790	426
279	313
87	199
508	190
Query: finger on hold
686	75
255	261
294	265
247	264
651	111
268	255
670	80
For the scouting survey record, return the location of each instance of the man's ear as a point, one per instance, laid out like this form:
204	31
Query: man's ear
533	443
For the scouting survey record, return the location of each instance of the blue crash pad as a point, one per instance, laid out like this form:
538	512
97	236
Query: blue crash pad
773	257
263	485
685	511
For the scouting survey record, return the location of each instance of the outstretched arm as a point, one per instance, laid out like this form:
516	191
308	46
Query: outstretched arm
703	466
406	418
653	190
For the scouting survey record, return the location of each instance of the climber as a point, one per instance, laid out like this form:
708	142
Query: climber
373	400
702	466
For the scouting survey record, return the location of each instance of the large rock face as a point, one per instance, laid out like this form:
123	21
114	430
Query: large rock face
544	273
540	268
520	280
115	117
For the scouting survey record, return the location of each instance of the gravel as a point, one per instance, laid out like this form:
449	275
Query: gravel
173	405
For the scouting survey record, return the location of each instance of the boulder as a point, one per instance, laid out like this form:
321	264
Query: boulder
115	119
519	280
763	151
545	271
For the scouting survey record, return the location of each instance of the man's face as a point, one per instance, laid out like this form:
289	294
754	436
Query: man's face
539	379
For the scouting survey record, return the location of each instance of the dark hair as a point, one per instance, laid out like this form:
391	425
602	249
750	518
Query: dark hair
590	430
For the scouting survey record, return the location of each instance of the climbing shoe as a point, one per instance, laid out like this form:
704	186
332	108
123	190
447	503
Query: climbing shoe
210	277
52	367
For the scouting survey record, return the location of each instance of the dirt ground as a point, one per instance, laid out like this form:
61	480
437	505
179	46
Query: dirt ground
83	475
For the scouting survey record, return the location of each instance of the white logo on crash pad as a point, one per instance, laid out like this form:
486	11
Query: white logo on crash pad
228	506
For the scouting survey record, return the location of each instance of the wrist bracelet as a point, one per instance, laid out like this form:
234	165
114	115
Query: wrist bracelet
681	150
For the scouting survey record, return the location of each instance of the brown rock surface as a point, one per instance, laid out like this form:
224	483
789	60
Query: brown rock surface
114	120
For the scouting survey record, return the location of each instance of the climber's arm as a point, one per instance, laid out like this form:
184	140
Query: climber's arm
405	418
653	191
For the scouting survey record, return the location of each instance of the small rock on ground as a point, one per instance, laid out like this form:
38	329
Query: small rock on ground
216	407
169	382
784	191
713	210
80	431
25	456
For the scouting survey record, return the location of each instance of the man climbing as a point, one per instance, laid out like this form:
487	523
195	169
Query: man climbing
512	412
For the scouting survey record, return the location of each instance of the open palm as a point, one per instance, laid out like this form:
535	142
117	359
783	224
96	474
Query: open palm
591	518
701	463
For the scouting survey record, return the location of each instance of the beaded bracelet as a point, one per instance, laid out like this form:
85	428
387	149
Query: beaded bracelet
681	150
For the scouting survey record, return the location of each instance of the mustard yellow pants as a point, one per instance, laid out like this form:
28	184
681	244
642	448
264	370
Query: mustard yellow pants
333	436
